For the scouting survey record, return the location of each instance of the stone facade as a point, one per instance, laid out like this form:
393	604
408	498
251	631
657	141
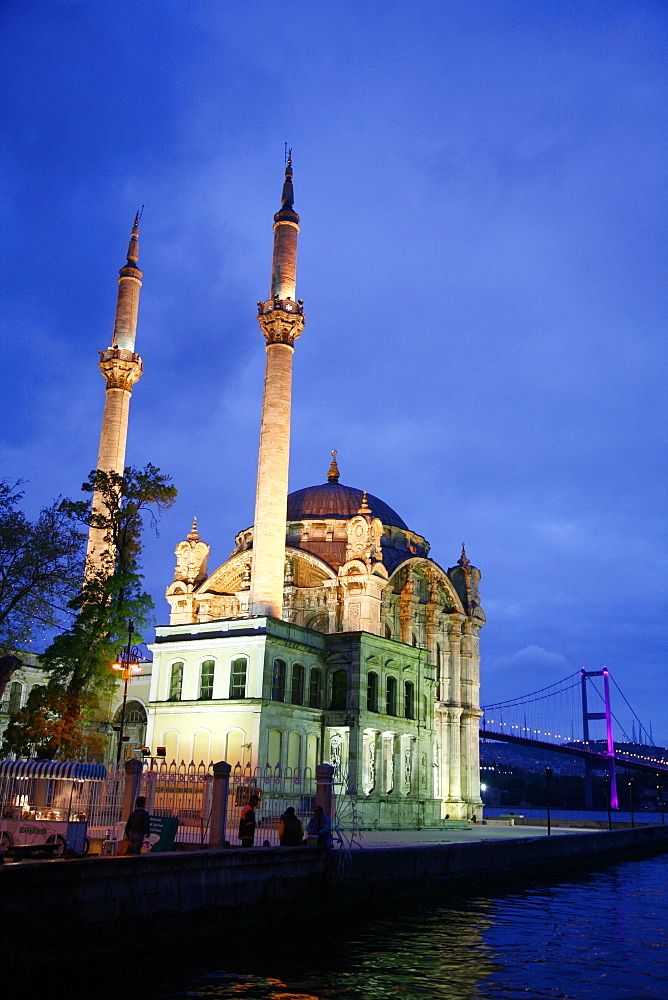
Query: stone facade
121	368
329	635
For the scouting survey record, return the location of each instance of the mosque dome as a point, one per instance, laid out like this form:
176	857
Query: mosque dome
334	500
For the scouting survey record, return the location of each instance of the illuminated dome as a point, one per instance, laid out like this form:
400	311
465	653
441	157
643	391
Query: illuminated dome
334	500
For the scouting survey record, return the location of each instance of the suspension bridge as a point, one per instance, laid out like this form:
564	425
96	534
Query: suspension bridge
533	720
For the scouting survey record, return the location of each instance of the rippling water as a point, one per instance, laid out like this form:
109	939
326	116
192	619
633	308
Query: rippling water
600	935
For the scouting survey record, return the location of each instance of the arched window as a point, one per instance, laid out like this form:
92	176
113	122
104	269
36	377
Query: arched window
170	741
409	700
438	672
206	672
339	689
294	750
372	692
297	692
15	694
274	748
201	747
391	699
238	673
176	681
312	758
235	747
314	688
278	681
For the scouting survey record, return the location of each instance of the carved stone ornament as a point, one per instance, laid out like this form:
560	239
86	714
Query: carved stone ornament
281	321
191	558
121	369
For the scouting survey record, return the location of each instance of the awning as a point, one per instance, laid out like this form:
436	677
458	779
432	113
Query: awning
63	769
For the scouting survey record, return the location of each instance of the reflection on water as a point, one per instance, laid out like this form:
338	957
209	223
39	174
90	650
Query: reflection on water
601	935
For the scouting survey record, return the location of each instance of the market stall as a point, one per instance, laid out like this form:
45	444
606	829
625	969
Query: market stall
44	806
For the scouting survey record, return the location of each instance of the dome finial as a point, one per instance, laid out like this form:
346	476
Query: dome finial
463	561
194	533
333	474
364	509
133	248
288	195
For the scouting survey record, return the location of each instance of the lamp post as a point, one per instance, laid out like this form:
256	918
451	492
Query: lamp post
128	664
631	802
548	779
659	789
607	796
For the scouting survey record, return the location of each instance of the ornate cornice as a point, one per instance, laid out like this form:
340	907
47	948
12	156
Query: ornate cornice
121	369
281	320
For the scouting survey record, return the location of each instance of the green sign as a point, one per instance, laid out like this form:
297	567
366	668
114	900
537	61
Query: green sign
165	828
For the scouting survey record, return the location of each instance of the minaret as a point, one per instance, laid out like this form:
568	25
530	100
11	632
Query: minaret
281	320
121	368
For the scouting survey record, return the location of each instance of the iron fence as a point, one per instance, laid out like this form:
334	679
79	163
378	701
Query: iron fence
186	791
277	788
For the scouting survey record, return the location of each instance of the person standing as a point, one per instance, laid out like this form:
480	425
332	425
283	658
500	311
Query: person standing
247	822
138	826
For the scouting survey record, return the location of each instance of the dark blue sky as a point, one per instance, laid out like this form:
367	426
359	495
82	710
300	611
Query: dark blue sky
482	260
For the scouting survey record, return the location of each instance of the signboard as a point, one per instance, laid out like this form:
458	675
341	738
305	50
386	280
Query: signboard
164	827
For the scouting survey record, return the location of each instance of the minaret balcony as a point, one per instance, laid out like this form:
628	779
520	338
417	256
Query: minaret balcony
283	305
281	320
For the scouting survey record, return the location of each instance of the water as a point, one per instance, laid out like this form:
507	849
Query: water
603	934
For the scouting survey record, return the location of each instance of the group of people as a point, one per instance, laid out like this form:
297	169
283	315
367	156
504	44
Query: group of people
290	831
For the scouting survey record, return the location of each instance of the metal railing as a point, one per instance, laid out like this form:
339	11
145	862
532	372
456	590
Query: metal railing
186	791
277	788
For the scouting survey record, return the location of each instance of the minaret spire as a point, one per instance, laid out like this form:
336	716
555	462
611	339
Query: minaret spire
281	321
121	368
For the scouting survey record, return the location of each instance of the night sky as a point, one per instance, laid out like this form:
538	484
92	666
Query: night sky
482	261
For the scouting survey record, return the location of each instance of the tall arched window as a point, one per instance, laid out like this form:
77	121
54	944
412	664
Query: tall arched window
206	672
294	750
15	694
339	689
409	700
314	688
372	692
438	672
391	699
275	745
201	747
235	748
278	681
238	672
297	692
176	681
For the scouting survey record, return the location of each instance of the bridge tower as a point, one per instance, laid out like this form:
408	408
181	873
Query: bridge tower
607	715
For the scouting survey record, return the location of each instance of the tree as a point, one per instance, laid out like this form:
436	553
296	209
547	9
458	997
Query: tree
79	658
41	565
41	728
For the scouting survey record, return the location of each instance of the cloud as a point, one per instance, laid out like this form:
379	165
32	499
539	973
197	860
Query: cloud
533	666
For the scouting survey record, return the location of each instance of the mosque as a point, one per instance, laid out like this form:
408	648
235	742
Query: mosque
329	635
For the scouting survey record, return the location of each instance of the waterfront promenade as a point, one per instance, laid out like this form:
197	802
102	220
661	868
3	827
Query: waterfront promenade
103	890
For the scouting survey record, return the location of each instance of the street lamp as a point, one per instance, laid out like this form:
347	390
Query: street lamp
607	797
548	779
129	665
659	789
631	801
